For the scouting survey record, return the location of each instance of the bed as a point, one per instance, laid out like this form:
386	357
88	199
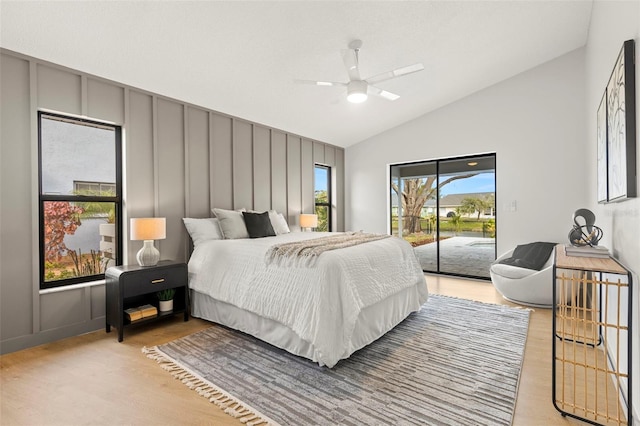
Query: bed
345	300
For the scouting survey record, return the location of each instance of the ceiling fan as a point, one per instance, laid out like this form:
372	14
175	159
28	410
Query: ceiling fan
358	88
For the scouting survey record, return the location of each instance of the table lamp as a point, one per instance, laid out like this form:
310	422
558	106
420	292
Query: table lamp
148	229
308	221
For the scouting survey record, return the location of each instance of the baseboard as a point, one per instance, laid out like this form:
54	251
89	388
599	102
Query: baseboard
48	336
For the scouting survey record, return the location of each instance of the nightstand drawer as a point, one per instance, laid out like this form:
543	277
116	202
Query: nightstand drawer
156	279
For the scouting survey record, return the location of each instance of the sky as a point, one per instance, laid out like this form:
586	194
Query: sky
484	182
320	179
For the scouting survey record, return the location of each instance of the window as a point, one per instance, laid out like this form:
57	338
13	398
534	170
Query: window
80	199
323	197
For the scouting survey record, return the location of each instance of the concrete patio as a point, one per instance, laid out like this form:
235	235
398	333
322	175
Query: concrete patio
459	255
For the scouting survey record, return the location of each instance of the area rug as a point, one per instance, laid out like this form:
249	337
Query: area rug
456	362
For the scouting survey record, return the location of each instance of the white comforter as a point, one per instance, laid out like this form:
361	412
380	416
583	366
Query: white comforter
320	304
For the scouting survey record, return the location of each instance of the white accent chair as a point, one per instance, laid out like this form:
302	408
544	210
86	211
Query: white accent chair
524	286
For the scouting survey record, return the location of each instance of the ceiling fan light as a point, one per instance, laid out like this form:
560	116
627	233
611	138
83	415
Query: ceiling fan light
357	92
356	97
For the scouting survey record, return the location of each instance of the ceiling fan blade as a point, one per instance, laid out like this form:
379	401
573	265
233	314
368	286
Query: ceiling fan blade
382	93
320	83
350	58
395	73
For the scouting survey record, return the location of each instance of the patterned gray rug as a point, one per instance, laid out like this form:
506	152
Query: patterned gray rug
456	362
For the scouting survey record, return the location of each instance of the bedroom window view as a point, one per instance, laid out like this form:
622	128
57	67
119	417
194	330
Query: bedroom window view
446	210
79	205
323	197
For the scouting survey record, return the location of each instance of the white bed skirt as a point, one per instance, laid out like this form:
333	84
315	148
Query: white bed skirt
373	322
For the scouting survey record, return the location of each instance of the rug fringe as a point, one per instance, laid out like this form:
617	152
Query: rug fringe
229	404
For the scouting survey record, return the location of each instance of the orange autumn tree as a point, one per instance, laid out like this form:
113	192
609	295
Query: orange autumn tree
60	219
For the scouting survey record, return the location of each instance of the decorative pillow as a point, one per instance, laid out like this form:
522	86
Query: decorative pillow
202	230
258	224
279	223
531	256
231	224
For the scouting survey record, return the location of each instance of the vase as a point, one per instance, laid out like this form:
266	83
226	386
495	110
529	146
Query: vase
166	305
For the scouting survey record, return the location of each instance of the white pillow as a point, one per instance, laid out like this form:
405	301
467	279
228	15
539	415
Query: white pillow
232	223
279	223
203	229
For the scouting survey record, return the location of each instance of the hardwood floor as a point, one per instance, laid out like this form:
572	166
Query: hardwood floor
93	379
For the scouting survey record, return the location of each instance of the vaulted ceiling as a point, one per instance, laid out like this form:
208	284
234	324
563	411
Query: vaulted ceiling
242	58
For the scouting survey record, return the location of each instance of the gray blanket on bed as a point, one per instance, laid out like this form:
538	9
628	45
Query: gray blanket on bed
305	253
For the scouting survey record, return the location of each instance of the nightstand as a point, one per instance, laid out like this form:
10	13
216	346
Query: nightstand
131	286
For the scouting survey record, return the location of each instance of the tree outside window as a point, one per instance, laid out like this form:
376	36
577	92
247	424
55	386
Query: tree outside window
323	197
80	201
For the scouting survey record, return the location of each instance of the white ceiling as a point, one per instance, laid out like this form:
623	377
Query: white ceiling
241	58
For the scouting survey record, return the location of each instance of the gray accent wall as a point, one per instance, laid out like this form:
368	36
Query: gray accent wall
180	160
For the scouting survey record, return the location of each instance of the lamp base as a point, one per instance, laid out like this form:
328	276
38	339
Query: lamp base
148	254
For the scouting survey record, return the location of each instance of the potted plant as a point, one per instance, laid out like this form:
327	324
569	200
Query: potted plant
166	299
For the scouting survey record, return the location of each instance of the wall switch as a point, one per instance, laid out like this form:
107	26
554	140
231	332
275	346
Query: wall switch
513	206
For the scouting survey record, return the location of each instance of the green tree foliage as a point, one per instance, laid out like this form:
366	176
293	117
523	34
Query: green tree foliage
415	193
456	221
489	228
477	205
96	208
322	211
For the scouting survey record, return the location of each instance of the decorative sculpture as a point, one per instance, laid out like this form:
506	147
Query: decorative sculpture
587	234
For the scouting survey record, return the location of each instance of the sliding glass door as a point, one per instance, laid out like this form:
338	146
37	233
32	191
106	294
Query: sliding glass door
446	210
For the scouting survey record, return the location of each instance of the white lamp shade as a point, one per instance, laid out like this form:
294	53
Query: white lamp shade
308	220
148	228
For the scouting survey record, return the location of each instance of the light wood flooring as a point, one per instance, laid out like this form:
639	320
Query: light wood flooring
93	379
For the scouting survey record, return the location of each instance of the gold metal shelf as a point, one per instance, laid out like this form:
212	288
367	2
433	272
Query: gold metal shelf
591	333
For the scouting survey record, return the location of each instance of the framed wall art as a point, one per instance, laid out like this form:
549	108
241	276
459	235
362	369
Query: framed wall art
621	127
603	182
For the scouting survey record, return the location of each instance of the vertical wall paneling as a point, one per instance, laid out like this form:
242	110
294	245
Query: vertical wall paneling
84	95
221	161
318	153
339	190
261	168
15	210
126	117
177	159
279	172
329	156
294	201
306	176
242	164
34	189
170	174
60	308
139	180
198	204
98	302
105	101
155	157
59	90
186	178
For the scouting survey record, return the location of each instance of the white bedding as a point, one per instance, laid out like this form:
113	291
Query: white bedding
321	305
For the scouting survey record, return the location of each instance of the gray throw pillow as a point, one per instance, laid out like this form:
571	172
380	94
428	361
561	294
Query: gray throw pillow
232	224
